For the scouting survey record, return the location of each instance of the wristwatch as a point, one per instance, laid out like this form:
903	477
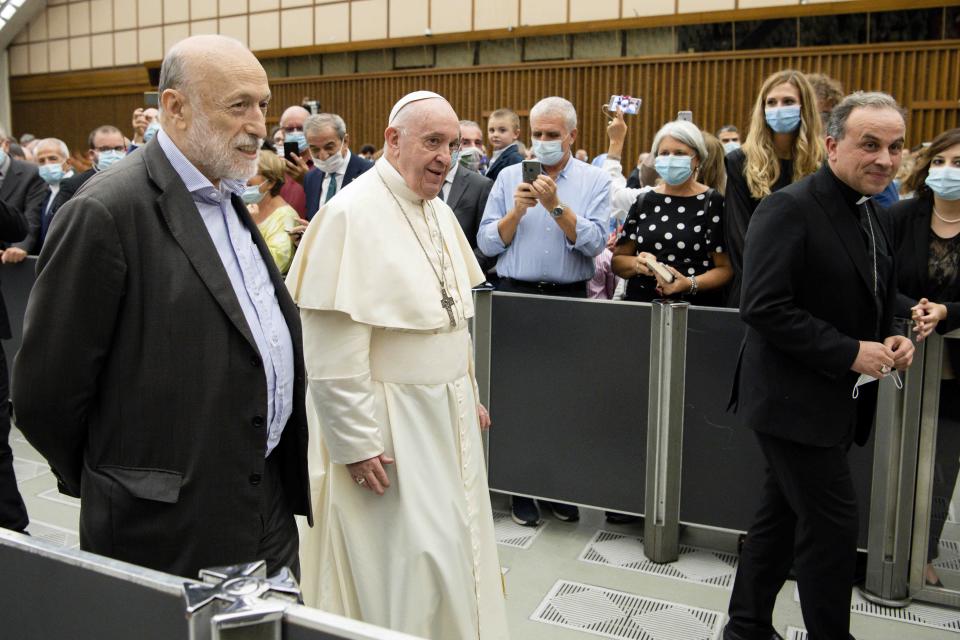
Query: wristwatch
557	211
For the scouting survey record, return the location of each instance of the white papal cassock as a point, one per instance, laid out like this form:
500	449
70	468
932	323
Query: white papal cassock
387	373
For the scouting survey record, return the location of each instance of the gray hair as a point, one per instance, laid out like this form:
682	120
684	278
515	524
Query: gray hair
556	106
64	150
470	123
727	127
682	131
320	121
837	126
173	72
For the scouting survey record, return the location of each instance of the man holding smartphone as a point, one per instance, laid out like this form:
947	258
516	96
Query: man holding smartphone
545	221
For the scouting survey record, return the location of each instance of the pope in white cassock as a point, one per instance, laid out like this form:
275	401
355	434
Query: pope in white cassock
383	278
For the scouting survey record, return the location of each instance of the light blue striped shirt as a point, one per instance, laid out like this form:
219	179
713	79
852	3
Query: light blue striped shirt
540	252
251	283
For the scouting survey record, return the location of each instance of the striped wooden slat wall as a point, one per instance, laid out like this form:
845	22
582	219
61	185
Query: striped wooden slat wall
718	88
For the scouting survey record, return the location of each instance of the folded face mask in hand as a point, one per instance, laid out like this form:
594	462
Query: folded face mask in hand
867	379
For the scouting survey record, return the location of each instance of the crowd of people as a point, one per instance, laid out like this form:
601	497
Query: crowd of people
346	392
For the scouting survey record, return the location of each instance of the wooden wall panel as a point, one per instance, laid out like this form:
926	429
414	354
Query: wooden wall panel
718	88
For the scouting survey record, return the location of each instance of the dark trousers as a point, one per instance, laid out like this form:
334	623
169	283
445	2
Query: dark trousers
946	461
808	519
572	290
279	541
13	513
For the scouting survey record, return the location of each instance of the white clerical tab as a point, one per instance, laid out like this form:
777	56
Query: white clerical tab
407	99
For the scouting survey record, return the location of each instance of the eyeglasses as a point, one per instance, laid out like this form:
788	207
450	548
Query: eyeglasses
106	149
292	129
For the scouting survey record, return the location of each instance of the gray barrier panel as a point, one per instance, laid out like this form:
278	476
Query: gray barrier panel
723	468
49	592
568	399
16	280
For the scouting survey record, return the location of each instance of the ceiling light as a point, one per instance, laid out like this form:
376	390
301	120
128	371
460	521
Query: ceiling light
17	3
8	12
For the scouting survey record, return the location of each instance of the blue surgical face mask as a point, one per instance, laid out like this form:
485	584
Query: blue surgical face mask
733	145
3	156
783	119
252	194
51	173
674	169
548	152
151	131
109	158
299	138
945	182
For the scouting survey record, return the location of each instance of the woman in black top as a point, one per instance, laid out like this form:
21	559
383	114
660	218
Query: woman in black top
678	224
926	237
782	146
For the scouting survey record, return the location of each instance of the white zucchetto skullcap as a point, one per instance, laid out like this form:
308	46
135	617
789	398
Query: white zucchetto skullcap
407	99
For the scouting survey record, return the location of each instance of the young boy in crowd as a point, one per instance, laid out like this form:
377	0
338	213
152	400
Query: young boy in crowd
503	129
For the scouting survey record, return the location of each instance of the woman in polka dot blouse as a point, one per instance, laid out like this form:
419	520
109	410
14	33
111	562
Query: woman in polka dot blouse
679	224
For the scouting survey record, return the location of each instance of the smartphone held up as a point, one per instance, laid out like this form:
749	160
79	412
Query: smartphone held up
627	104
531	169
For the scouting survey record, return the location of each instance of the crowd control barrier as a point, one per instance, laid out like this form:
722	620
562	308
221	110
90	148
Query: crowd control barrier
621	406
51	593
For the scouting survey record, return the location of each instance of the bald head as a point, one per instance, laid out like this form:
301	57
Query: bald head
420	143
294	117
192	60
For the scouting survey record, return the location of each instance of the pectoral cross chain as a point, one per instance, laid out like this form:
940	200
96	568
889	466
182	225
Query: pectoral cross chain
446	301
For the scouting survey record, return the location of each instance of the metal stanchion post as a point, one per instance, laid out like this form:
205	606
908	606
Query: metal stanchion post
897	430
239	597
668	349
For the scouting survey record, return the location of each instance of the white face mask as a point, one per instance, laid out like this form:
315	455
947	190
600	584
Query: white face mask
865	379
333	164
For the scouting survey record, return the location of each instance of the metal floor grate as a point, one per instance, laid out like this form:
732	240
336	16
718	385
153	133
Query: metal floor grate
796	634
55	496
615	614
925	615
511	534
922	614
54	534
696	565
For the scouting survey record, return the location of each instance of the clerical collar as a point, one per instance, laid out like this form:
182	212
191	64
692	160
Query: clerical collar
851	196
395	181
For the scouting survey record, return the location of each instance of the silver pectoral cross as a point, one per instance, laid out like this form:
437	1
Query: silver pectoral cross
446	301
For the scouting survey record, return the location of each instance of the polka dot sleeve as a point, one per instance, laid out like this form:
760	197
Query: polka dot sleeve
713	239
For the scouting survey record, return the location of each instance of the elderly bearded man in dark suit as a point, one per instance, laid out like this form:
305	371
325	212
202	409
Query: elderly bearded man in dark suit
818	299
161	372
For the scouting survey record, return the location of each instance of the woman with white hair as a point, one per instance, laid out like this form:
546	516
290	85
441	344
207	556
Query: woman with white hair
671	245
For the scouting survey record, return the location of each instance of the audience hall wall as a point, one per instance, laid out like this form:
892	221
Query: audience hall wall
719	88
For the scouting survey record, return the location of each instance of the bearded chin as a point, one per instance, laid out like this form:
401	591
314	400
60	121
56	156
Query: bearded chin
218	158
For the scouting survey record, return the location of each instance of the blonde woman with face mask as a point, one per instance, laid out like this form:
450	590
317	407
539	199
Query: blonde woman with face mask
274	217
783	145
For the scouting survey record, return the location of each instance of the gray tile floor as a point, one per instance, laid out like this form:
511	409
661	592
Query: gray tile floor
604	586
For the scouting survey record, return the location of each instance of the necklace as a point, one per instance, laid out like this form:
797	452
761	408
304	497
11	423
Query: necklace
942	219
446	300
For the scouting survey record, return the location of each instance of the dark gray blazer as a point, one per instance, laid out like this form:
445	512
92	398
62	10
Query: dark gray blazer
468	197
140	382
24	189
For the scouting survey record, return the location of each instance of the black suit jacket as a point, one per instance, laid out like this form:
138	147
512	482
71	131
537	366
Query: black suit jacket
909	222
509	157
313	181
468	197
807	300
139	379
13	227
24	190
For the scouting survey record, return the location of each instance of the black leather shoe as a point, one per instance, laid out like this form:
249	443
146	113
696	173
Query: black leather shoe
730	635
